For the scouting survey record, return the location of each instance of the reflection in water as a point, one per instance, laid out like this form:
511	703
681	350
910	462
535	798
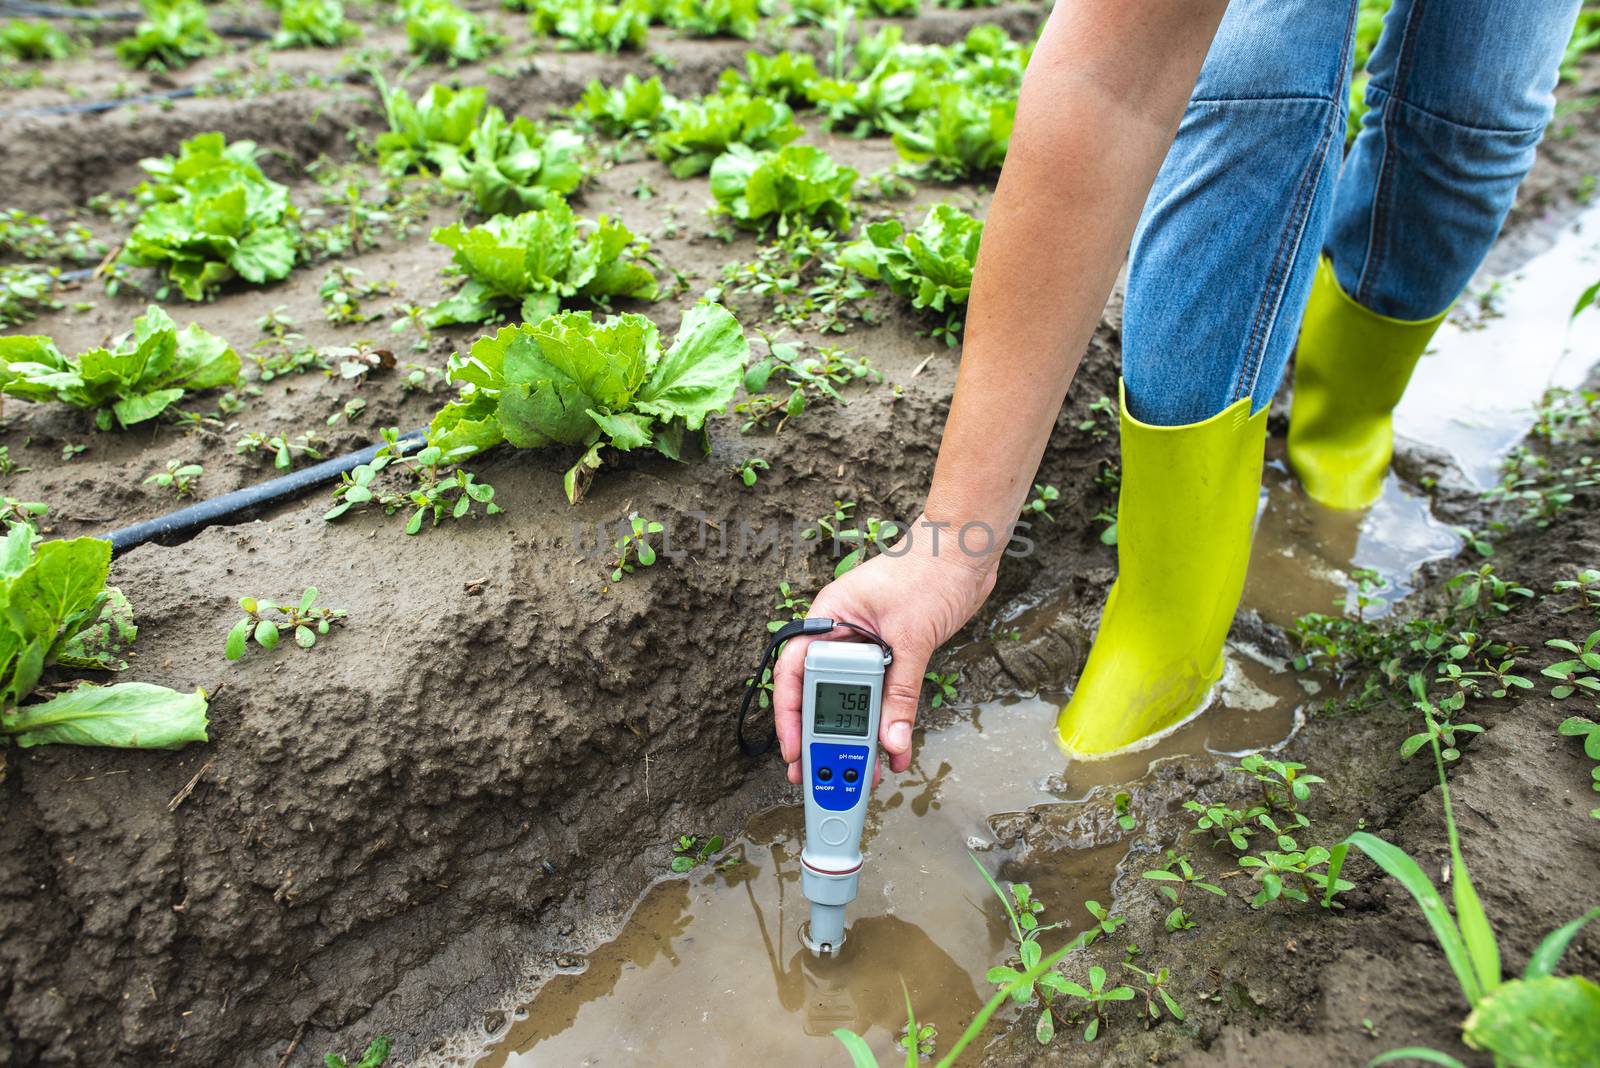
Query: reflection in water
1472	393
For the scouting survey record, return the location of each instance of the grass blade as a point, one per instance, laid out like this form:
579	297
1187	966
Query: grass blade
860	1053
1416	1053
1548	955
1482	950
911	1027
1005	900
1394	860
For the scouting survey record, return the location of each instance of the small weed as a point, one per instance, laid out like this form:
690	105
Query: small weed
1102	419
873	535
180	478
1121	807
692	850
749	472
1584	588
439	487
1097	997
922	1043
808	380
1231	825
1576	673
71	449
788	602
342	291
944	688
8	466
799	273
1039	504
634	546
1176	876
281	447
377	1052
266	621
1155	994
1589	731
1282	785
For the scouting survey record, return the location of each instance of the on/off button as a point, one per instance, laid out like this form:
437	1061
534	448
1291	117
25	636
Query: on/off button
834	831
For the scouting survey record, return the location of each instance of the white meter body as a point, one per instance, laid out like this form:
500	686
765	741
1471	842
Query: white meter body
841	704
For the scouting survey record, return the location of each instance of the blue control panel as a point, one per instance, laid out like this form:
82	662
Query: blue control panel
839	773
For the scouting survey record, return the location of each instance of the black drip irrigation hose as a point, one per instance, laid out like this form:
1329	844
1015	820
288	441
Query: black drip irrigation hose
94	106
47	11
235	506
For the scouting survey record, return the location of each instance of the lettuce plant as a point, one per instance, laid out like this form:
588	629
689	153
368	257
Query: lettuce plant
714	18
891	8
62	612
313	23
441	30
503	164
884	98
795	185
633	107
512	164
786	76
136	380
535	260
964	135
594	25
438	124
173	34
569	380
931	266
33	39
699	131
211	215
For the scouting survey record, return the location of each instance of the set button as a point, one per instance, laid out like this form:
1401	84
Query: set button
850	774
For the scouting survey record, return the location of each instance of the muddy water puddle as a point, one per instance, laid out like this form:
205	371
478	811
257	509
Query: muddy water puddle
1472	398
709	969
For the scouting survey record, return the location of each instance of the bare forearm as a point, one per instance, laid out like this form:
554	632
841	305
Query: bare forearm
1099	106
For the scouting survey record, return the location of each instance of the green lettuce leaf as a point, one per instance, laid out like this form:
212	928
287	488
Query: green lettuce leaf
702	370
211	215
569	380
796	185
138	379
128	715
698	132
633	107
594	25
1548	1022
550	255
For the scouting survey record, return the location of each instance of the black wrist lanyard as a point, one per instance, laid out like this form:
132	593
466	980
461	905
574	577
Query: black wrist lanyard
795	629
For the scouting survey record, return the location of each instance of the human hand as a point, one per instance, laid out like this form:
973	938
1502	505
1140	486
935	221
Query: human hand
915	601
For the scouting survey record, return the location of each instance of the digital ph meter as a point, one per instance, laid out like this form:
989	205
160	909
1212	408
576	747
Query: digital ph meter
841	701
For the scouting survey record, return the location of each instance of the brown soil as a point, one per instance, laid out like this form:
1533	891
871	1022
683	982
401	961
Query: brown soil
472	780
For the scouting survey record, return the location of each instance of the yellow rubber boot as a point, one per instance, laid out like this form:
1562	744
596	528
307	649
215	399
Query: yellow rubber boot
1350	370
1184	522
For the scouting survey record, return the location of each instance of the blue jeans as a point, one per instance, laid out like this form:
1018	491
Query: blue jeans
1257	184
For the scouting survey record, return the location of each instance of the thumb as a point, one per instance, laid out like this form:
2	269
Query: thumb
902	688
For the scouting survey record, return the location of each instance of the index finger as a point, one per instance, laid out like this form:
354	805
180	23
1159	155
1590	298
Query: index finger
788	677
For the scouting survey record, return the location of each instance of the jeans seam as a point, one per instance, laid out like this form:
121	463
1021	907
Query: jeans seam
1383	187
1292	237
1389	99
1266	98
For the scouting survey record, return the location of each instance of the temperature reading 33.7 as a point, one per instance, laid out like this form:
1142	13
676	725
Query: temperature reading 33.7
842	709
